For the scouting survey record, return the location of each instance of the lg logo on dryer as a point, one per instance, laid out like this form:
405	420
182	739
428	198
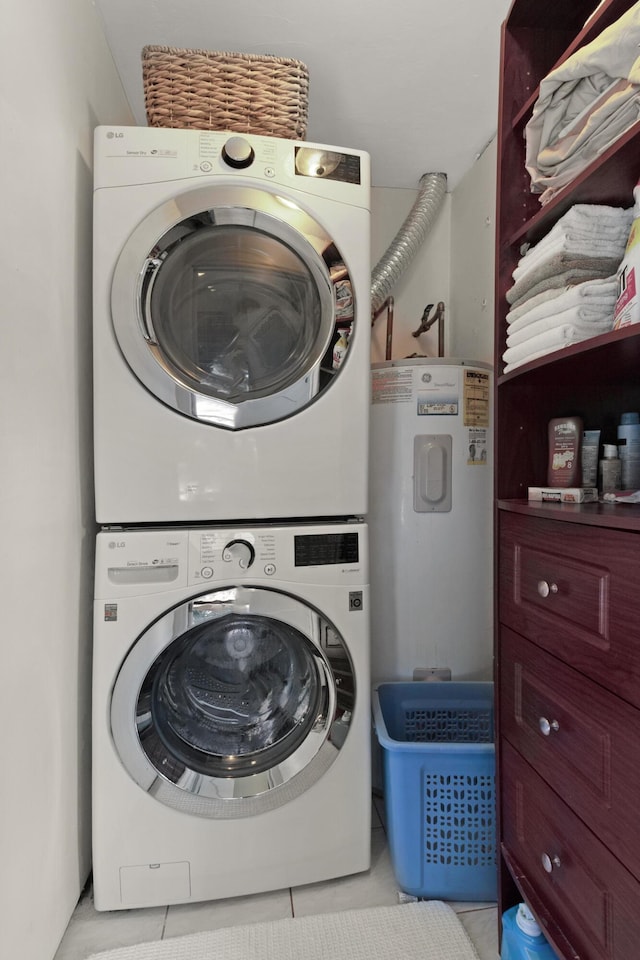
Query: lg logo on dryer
111	134
116	544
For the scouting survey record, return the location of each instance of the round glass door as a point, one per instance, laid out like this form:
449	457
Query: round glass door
235	306
226	705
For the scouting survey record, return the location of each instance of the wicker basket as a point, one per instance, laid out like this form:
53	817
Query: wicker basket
242	92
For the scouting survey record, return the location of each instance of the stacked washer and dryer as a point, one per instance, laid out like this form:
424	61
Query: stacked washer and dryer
231	726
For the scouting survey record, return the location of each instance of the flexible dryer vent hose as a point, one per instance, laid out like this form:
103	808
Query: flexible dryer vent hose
410	236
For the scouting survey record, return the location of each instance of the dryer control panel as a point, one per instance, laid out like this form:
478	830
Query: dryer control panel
128	156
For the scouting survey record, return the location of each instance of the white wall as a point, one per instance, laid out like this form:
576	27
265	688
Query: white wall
426	279
473	206
57	81
455	264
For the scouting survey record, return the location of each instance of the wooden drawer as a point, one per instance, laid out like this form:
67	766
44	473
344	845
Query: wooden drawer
564	870
580	738
575	590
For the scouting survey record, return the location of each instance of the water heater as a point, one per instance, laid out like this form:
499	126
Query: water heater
430	518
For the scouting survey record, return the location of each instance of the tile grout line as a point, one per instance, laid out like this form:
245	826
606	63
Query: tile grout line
164	922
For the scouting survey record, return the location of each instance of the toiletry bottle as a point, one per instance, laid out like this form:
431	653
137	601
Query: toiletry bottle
629	450
610	469
590	450
565	452
339	350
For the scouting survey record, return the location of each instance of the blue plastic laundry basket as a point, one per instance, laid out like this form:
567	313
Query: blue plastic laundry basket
439	787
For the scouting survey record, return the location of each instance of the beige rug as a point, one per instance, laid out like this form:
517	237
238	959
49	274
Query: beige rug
428	930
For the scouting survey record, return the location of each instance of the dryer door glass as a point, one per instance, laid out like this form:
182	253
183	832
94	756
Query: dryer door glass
237	313
240	695
240	297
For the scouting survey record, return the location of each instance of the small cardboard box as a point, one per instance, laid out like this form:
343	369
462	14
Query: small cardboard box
564	494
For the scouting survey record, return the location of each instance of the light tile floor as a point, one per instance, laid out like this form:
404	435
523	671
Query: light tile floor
90	931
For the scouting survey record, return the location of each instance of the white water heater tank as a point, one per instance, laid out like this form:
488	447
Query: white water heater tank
430	518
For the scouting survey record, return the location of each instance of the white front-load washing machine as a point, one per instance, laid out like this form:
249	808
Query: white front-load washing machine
226	270
231	725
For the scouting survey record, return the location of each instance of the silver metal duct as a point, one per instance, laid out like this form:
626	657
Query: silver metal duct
410	236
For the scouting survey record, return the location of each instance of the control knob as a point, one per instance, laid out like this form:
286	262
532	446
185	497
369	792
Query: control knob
238	152
241	551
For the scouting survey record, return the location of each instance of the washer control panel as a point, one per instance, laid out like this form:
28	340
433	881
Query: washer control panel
305	554
145	561
223	554
240	552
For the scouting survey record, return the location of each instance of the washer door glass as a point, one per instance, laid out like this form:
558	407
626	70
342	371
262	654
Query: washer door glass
233	696
235	293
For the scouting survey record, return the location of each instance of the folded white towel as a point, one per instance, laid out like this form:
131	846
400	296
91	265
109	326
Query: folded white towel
560	271
588	220
588	216
532	356
590	324
571	245
593	228
547	341
563	307
586	229
576	241
566	296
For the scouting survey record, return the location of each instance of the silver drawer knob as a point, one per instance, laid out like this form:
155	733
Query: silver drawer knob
550	863
546	727
544	588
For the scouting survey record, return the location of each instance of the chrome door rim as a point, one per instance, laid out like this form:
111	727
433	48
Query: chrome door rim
280	218
220	797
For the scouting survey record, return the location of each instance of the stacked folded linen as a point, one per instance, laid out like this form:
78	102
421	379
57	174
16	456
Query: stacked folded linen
574	314
572	245
588	241
591	299
560	272
585	293
581	319
565	287
547	342
584	105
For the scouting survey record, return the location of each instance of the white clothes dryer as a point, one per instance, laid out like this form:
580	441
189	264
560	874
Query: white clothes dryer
226	269
231	724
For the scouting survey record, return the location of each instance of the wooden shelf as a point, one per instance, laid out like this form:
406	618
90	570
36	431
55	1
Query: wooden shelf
618	516
609	357
601	182
600	19
566	574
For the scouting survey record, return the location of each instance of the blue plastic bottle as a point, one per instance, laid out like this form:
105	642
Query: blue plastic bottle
522	938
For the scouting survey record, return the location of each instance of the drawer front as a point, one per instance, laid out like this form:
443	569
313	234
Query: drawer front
580	738
574	590
565	868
